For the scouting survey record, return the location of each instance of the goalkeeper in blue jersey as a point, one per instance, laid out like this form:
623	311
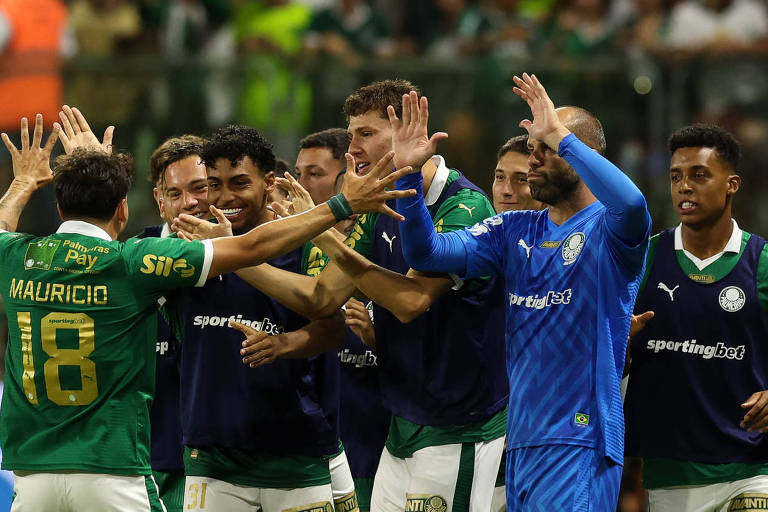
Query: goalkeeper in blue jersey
572	272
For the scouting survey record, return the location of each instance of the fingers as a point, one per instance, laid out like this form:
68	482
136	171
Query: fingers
757	417
386	210
107	141
394	121
279	209
82	124
383	166
415	111
752	400
52	138
37	134
406	100
437	137
65	142
65	123
8	144
218	215
24	134
391	178
245	329
184	236
525	124
351	161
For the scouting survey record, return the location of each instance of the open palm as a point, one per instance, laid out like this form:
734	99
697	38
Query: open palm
546	125
410	139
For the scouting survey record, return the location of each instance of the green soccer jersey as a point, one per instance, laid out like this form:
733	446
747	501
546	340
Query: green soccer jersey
80	362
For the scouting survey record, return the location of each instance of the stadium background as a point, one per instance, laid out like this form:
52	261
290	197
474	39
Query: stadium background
156	68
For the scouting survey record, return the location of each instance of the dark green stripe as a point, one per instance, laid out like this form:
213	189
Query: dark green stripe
465	477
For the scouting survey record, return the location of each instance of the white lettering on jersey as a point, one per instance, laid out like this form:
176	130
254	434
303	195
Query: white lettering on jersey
551	298
483	227
161	347
359	360
265	325
525	246
662	286
386	238
719	351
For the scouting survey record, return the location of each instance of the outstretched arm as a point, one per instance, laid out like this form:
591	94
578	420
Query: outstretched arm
628	216
31	170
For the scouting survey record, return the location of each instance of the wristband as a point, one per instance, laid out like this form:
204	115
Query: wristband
340	207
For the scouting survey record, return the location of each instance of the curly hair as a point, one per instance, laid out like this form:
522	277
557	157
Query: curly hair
517	144
234	142
91	184
708	136
335	139
377	96
170	152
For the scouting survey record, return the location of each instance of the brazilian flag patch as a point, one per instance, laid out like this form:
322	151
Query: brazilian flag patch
39	254
581	419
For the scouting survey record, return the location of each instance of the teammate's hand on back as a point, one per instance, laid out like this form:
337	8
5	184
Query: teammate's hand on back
191	228
358	319
302	201
75	132
370	193
259	348
412	144
546	125
757	415
32	164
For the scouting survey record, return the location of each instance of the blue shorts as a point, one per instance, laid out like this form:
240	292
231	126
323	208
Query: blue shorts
562	478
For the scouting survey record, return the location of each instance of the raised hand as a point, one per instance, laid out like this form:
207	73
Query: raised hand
369	193
358	319
258	347
32	164
302	201
412	144
75	132
190	227
546	125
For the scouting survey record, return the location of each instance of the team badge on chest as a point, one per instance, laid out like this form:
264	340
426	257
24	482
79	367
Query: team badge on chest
572	247
732	298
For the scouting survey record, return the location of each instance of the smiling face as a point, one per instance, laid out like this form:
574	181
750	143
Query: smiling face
317	170
371	139
241	192
183	189
702	186
510	184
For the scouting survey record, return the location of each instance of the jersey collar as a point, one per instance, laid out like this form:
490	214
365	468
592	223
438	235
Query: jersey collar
733	245
80	227
438	182
165	232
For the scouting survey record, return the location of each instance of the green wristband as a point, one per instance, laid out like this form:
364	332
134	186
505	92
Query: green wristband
340	207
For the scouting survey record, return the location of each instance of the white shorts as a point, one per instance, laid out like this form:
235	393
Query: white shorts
84	492
750	494
499	499
437	477
342	484
203	493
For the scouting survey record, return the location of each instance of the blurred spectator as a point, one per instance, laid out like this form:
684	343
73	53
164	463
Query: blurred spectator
718	25
34	35
578	29
458	28
349	29
101	25
646	27
510	30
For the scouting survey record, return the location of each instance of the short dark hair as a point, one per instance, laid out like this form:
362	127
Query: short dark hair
170	152
377	96
281	167
335	139
587	127
707	136
90	184
234	142
517	144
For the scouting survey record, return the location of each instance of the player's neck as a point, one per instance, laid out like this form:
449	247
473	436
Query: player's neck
706	241
564	210
107	225
428	171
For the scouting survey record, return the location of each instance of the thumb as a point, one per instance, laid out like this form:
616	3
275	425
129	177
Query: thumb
245	329
218	214
752	400
437	137
526	125
108	133
644	317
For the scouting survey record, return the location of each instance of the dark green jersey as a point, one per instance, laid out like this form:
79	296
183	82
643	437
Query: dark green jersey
82	323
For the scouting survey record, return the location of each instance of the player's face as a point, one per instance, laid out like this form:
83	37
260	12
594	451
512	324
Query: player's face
550	178
240	192
701	185
510	184
184	189
371	139
317	170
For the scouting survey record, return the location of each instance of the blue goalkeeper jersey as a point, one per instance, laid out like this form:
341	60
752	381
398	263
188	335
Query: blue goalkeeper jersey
570	292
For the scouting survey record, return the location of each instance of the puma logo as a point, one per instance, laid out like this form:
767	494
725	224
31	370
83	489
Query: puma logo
662	286
465	207
386	238
525	246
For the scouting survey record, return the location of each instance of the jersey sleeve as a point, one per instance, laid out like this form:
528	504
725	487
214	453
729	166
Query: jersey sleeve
463	209
313	260
360	238
484	246
167	263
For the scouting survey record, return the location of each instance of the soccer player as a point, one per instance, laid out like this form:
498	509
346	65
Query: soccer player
320	160
81	310
572	272
275	448
181	186
439	343
510	189
697	405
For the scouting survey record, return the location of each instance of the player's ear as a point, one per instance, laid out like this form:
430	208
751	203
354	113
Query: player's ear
122	210
158	200
734	183
269	182
58	209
